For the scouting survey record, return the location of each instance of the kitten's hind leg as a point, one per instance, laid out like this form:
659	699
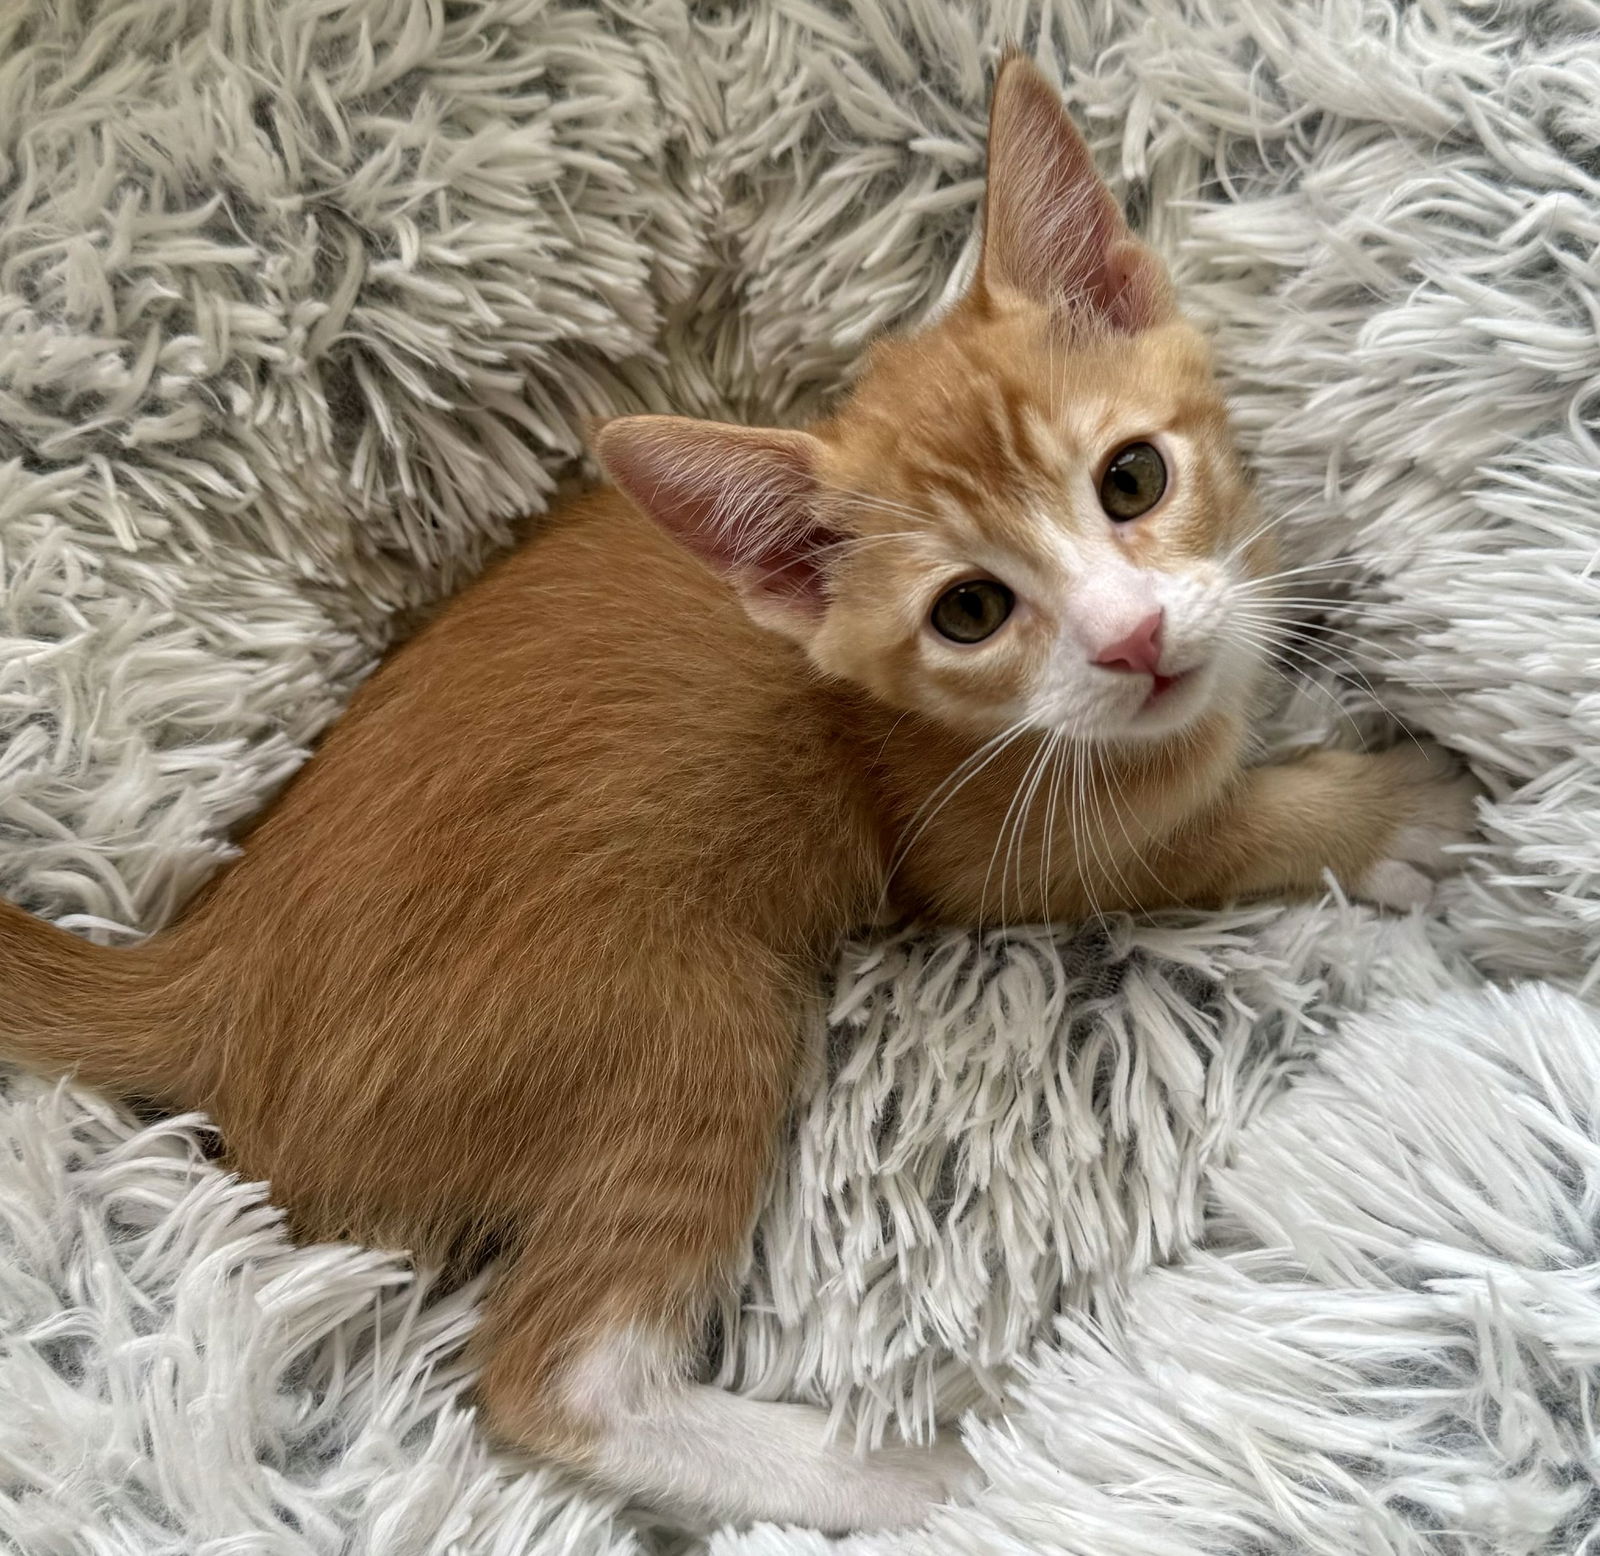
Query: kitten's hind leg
612	1401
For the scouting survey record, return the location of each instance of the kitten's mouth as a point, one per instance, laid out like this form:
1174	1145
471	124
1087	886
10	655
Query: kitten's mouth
1163	685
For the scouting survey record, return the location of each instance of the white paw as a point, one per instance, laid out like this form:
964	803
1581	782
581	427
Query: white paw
903	1485
1392	883
1445	815
1442	806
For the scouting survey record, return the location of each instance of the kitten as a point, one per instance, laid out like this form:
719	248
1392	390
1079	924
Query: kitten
520	958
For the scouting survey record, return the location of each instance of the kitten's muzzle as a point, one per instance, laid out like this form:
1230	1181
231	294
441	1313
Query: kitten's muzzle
1138	649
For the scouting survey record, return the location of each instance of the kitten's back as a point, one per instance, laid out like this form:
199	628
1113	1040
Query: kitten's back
586	797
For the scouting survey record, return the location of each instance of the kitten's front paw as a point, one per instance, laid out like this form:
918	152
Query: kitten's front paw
1436	804
1394	884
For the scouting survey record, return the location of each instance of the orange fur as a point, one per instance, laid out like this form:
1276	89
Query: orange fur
517	961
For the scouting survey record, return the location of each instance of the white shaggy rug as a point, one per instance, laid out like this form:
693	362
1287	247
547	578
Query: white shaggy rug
1268	1232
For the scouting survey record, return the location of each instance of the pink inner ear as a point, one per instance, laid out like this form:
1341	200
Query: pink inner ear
1052	229
1132	291
796	567
742	499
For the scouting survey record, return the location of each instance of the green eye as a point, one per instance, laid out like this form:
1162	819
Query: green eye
1133	482
971	612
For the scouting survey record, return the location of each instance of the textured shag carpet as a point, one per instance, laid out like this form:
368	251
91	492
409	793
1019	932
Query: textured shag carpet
1264	1232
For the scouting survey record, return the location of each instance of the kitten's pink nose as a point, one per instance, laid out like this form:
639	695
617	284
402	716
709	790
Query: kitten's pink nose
1139	650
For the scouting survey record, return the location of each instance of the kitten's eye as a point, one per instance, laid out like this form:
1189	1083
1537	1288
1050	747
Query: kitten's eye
972	611
1133	482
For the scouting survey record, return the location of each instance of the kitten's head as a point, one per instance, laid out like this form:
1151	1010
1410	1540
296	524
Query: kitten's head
1029	512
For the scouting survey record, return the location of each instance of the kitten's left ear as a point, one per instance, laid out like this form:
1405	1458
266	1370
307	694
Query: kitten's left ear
1052	230
744	500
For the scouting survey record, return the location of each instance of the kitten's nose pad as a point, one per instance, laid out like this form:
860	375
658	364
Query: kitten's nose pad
1139	650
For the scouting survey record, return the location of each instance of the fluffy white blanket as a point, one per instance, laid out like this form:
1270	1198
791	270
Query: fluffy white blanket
1267	1232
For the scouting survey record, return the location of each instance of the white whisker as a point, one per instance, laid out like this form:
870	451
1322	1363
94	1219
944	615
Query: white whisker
963	774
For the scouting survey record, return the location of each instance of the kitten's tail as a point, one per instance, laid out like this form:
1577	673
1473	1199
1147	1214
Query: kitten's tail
69	1006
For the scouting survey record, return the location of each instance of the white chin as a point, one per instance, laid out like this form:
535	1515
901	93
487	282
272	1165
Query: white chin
1177	707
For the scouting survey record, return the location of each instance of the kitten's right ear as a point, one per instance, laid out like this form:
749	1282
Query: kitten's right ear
1052	230
742	499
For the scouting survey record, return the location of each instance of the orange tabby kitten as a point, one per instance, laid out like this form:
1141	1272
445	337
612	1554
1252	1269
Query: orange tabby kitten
519	960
